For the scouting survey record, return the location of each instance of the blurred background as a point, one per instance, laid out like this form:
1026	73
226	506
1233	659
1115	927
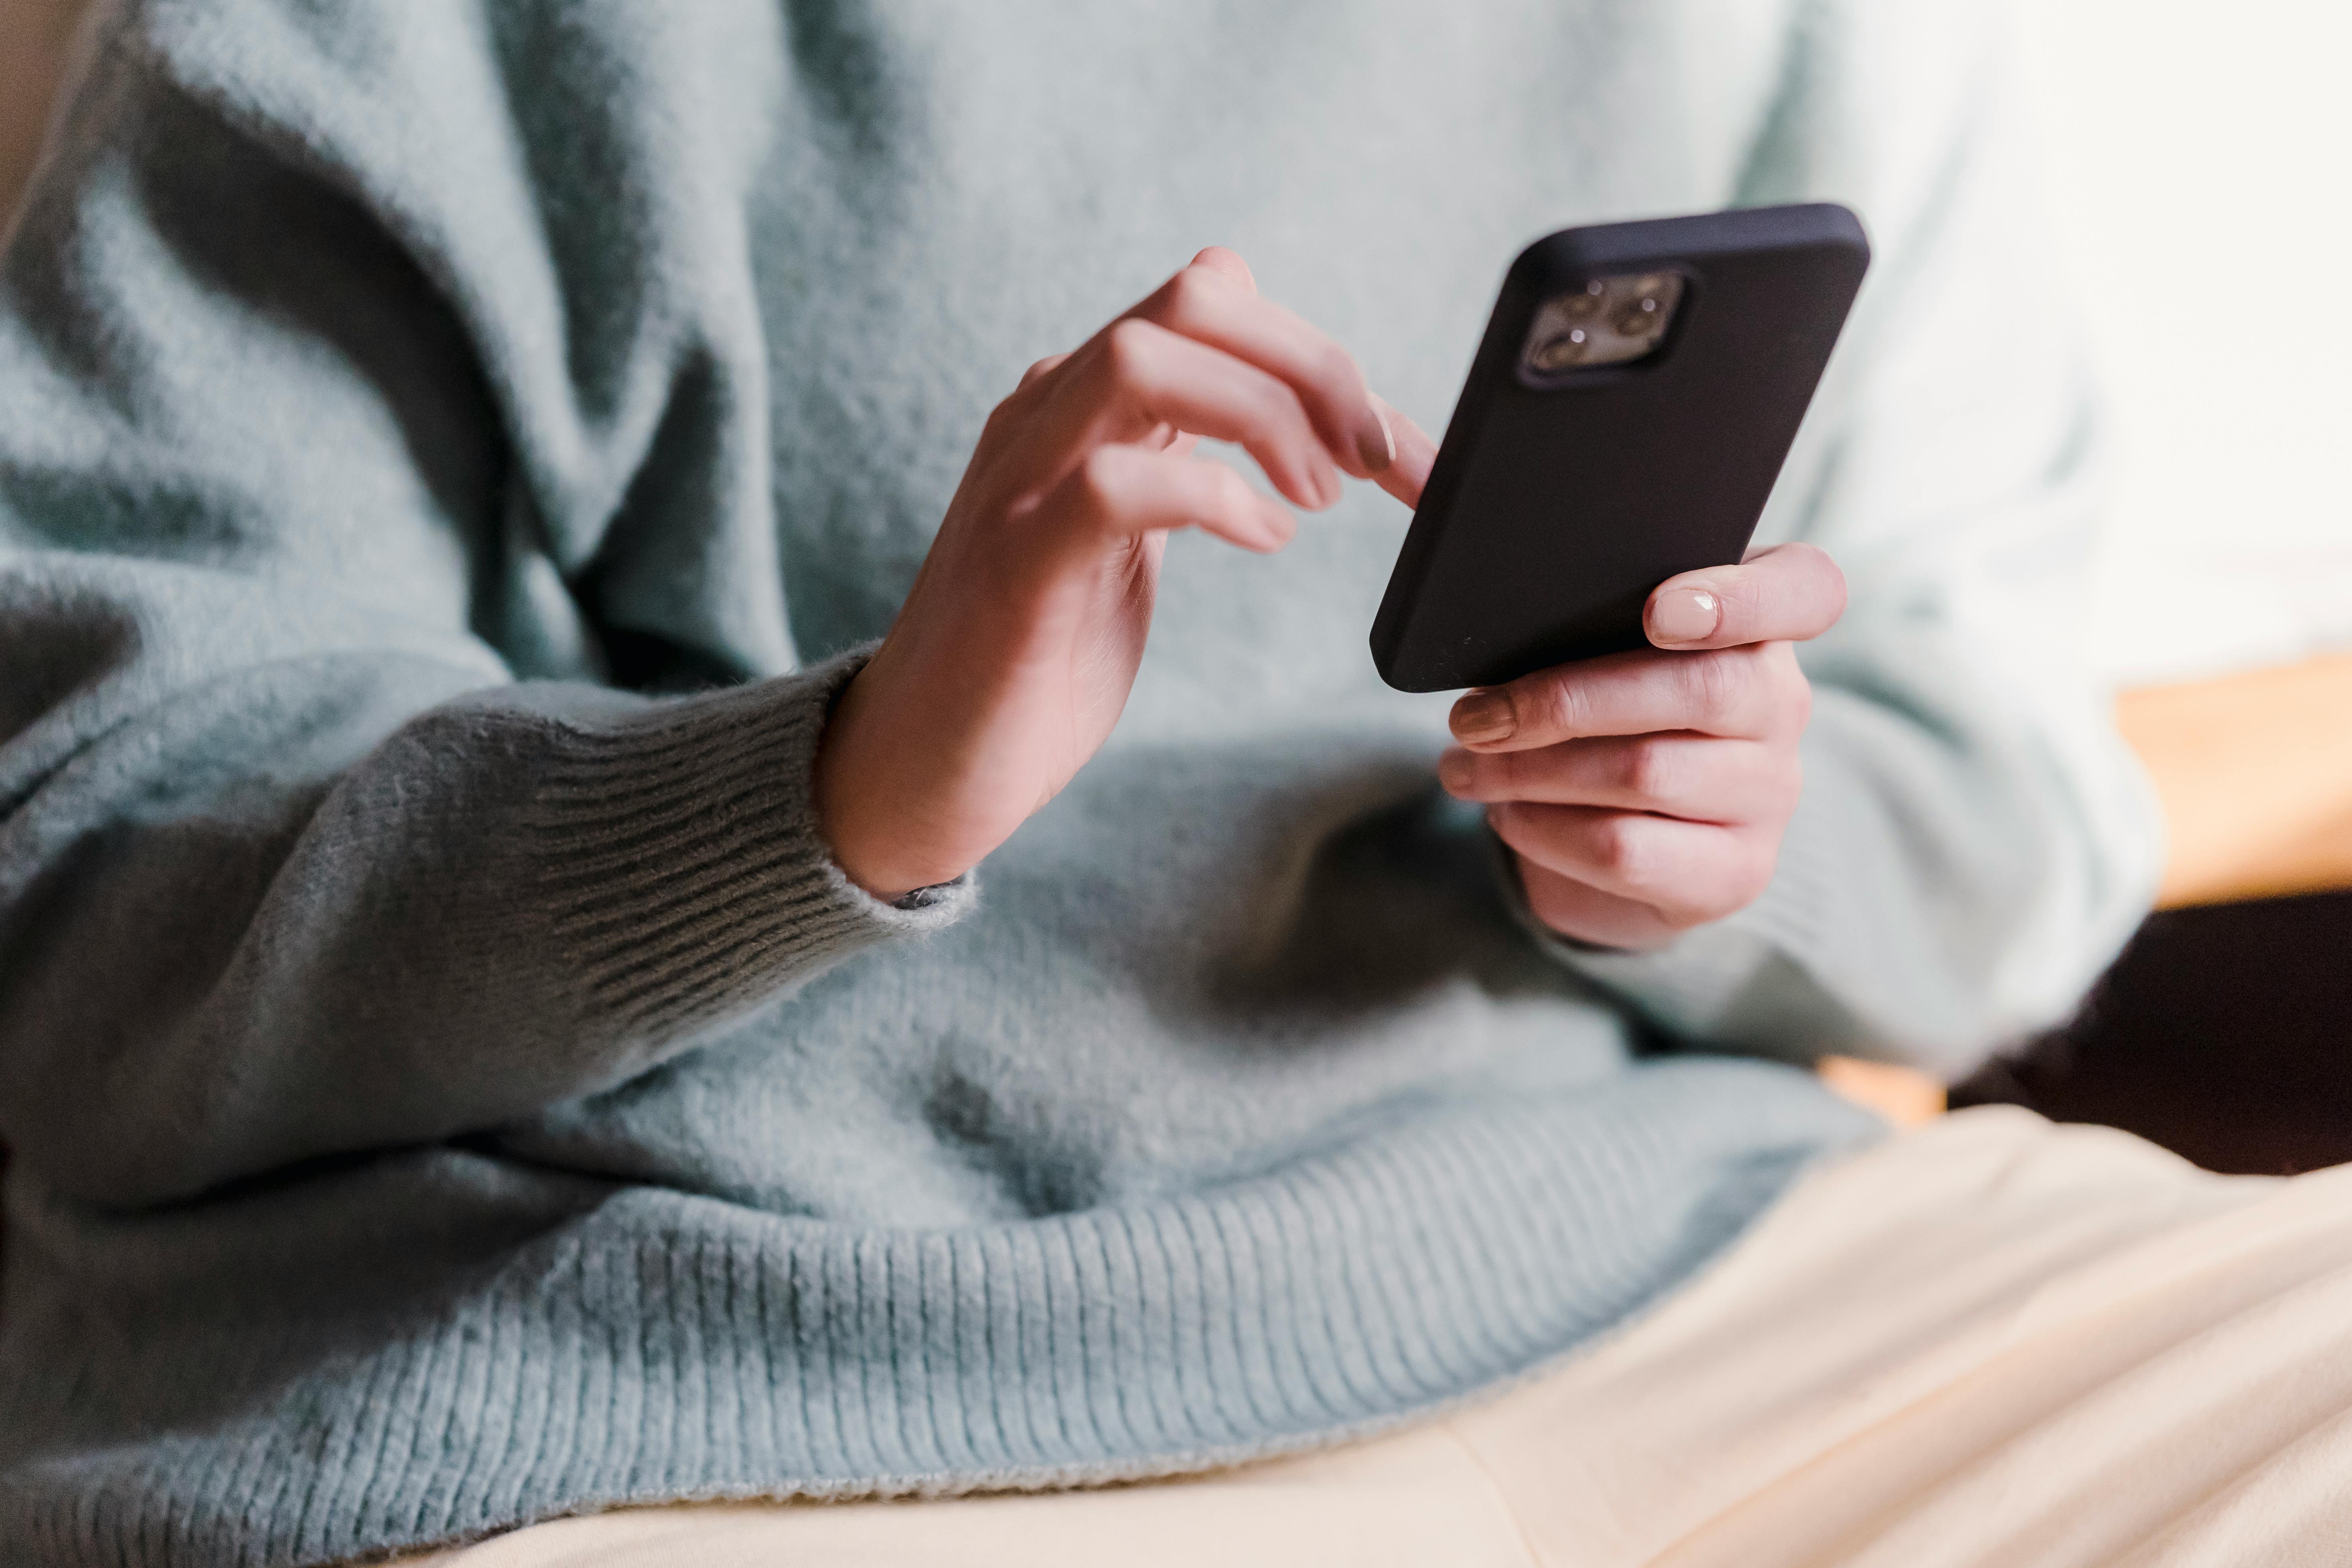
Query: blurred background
2200	175
2198	178
2200	181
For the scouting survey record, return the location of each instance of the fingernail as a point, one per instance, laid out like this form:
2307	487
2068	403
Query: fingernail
1483	716
1684	614
1454	771
1375	442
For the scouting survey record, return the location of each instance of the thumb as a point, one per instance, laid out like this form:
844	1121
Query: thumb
1787	593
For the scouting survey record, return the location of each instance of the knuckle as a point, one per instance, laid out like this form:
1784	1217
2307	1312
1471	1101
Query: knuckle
1713	904
1796	708
1128	349
1795	556
1737	593
1545	704
1191	292
1099	473
1711	686
1228	492
1573	708
1749	686
1783	785
1822	564
1015	405
1278	405
1796	698
1335	370
1749	876
1621	849
1675	919
1651	769
1505	774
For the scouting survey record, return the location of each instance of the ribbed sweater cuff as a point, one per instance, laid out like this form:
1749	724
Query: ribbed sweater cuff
1696	987
683	867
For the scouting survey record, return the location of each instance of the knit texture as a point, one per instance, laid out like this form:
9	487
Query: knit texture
452	454
654	1345
680	860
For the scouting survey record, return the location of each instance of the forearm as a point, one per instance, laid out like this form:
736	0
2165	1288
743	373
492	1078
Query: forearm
342	901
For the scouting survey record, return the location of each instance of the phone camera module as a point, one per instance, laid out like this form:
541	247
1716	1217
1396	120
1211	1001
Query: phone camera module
1603	322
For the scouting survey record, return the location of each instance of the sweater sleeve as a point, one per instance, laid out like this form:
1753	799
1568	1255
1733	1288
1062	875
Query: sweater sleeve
356	406
1973	842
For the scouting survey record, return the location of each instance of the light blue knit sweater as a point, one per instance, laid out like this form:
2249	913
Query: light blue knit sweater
451	452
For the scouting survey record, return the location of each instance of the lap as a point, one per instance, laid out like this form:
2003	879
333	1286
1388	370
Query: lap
1990	1341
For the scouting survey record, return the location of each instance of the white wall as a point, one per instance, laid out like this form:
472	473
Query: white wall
2200	174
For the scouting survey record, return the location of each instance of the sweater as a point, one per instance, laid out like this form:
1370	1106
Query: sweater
452	452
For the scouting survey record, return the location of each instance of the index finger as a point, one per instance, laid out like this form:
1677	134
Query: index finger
1215	301
1416	454
1788	593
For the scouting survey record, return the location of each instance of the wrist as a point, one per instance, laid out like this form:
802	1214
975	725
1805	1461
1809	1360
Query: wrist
839	801
861	816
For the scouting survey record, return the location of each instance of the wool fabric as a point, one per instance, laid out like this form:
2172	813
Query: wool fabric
452	453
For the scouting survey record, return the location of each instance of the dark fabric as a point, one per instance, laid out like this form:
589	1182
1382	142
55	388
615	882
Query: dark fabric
2224	1033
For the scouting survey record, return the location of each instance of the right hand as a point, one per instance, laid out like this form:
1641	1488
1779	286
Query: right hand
1013	654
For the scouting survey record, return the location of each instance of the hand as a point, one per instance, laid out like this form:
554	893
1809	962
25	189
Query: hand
1015	649
1645	792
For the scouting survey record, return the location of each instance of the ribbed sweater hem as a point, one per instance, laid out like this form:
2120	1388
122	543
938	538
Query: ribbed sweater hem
646	1344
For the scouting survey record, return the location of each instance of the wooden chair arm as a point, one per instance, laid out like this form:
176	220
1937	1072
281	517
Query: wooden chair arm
2255	774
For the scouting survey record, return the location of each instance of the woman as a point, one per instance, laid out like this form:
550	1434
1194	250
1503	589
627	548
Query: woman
517	1006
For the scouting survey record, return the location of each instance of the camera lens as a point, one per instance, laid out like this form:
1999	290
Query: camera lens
1639	319
1577	307
1561	352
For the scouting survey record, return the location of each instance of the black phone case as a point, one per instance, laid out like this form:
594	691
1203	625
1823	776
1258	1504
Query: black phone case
1554	508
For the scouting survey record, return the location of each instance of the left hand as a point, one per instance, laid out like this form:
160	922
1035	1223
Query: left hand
1647	793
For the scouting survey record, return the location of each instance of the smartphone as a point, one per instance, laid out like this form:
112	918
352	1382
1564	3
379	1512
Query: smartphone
1631	403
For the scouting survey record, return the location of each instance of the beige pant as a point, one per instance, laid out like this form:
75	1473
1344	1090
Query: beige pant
1990	1341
